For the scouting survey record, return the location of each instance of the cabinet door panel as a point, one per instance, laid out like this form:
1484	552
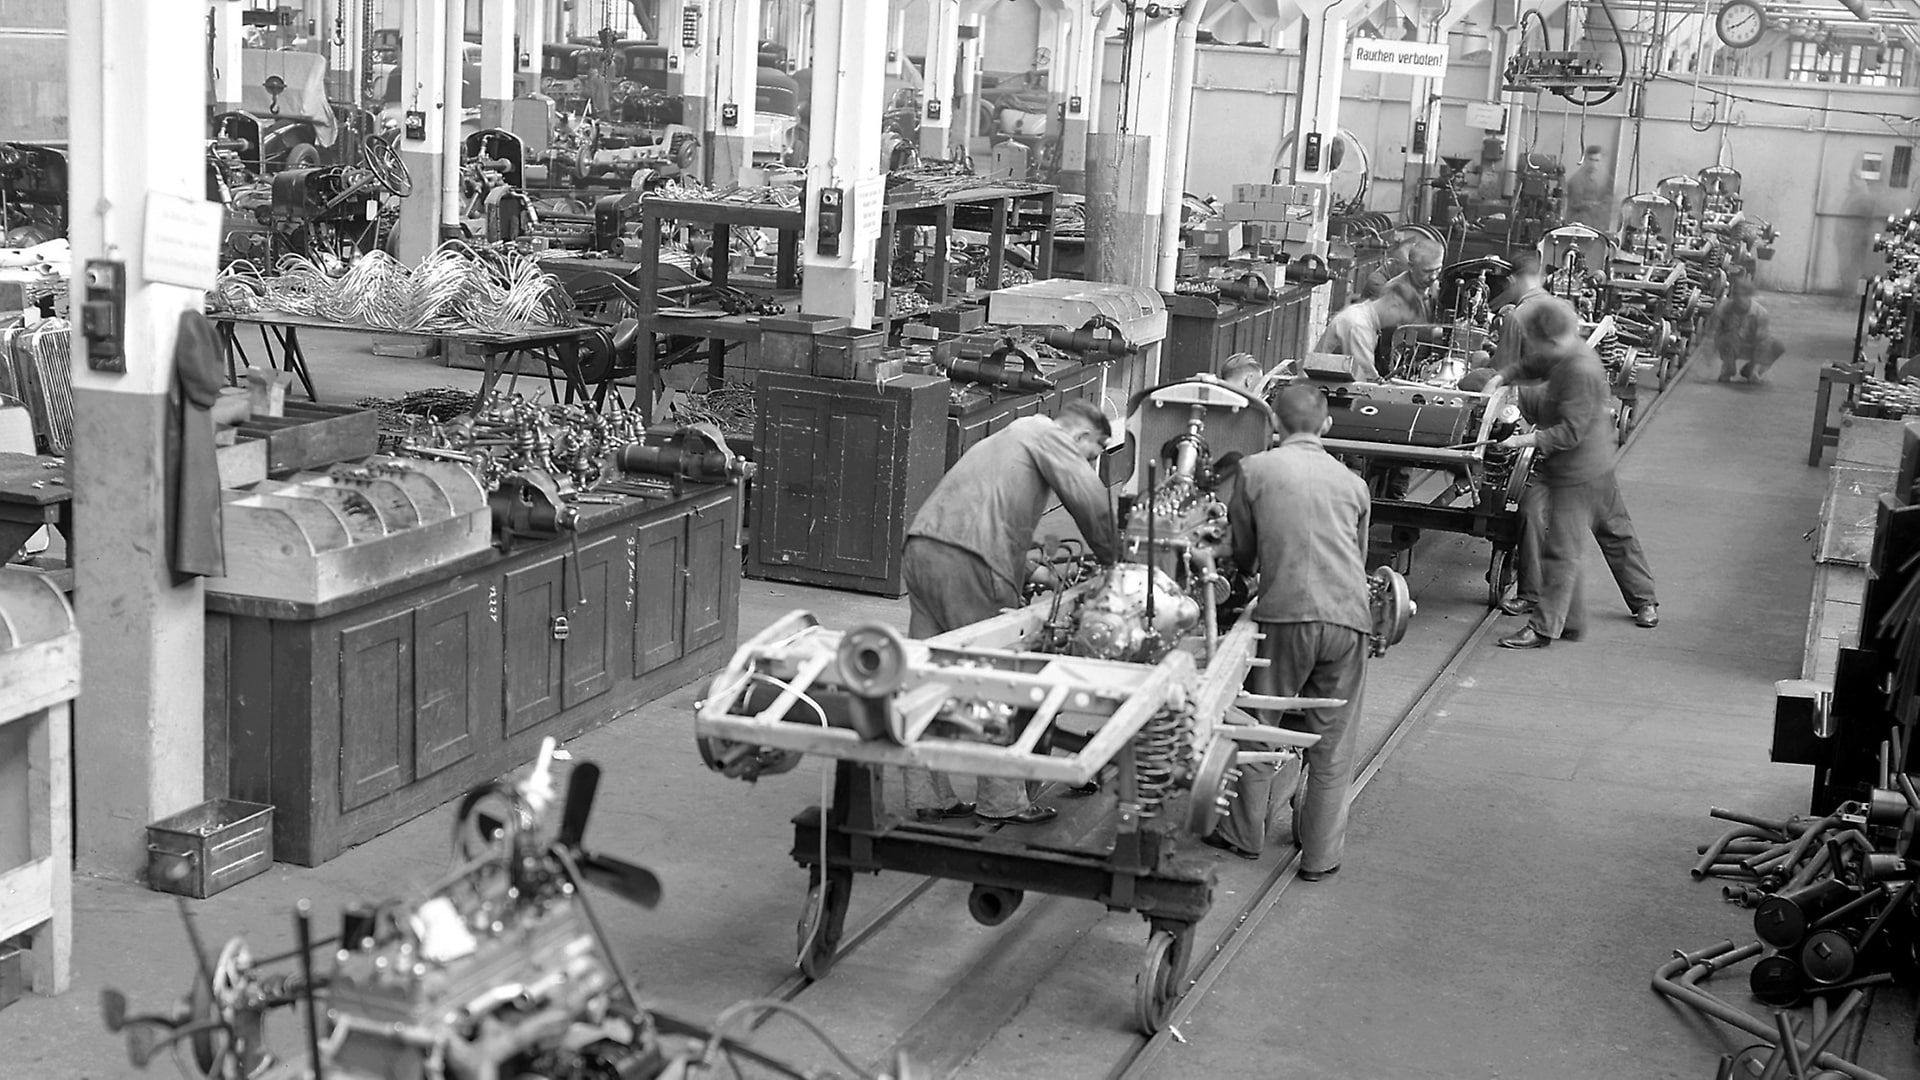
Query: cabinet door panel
456	674
787	498
660	607
533	672
376	708
709	558
860	441
597	588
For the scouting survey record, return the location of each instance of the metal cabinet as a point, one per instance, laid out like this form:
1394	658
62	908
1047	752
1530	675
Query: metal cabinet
844	467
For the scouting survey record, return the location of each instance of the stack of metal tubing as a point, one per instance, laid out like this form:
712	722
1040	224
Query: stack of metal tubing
1833	901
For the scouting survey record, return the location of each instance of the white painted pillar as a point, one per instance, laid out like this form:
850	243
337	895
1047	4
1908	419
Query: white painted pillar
1323	64
1148	111
423	73
696	66
966	125
349	49
1056	34
736	54
1078	90
670	14
497	61
1179	128
1106	22
228	40
896	39
937	99
453	64
138	126
848	41
530	19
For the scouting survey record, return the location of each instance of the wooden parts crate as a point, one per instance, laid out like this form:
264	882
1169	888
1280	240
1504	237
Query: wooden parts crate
39	677
355	714
319	536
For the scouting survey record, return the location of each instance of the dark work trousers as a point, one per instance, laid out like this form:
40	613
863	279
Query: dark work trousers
948	588
1573	512
1306	660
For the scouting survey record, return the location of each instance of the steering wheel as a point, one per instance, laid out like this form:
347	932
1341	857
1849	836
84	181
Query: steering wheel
387	168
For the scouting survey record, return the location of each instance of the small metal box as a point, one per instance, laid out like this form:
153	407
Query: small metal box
209	848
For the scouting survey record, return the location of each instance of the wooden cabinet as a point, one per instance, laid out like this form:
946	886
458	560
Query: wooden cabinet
355	716
844	467
969	423
1203	332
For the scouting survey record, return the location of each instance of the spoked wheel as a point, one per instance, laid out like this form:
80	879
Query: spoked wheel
1500	574
823	920
387	167
1162	974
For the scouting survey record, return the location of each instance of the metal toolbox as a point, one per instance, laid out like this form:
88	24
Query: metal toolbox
209	848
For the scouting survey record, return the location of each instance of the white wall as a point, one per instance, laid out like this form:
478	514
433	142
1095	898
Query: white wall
1800	166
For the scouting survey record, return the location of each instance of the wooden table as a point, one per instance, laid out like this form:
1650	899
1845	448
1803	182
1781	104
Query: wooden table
33	494
557	347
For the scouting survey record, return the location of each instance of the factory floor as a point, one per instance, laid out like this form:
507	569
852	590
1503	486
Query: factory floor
1516	867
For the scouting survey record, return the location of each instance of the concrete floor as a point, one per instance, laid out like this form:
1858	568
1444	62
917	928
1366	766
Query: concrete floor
1515	872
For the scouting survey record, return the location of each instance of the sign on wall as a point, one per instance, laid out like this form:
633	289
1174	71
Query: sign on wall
1486	116
1422	58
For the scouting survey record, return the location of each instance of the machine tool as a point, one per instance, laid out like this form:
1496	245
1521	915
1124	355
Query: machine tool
335	210
33	194
501	968
1575	259
1120	673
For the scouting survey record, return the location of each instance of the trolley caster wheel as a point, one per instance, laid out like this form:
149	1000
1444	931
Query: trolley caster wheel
1162	974
1500	574
1623	423
991	905
822	922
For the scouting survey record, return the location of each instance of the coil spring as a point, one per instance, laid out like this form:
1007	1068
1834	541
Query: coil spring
1163	747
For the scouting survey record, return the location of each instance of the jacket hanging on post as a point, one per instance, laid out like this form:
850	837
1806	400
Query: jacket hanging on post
194	547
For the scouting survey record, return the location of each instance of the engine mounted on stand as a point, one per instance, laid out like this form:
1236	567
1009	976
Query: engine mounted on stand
1117	673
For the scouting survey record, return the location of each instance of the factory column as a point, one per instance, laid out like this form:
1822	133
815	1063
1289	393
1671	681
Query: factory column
1323	61
1078	91
736	59
844	186
696	66
1127	168
530	19
137	151
229	39
453	61
937	96
423	34
966	107
497	62
671	17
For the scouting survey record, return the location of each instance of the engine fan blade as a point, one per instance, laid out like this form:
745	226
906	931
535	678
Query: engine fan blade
622	878
581	786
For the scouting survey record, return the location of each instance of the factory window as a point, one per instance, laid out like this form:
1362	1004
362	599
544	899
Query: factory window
1898	173
1863	63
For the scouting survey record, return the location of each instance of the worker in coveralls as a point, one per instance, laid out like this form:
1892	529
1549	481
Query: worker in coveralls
1528	289
1589	191
966	558
1300	517
1574	440
1739	331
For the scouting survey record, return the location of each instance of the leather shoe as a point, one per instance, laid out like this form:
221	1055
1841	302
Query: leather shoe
1527	638
1514	605
1213	840
1316	875
1572	635
937	813
1647	616
1032	815
1091	787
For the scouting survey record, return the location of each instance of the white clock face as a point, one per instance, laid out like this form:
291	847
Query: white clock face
1740	24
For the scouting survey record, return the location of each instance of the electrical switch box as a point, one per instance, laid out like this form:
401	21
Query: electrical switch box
730	115
103	316
1311	162
833	203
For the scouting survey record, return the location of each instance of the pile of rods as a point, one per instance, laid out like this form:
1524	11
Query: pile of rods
457	289
730	407
784	196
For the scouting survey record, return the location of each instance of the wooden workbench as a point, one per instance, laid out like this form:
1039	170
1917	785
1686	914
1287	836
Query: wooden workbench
357	714
1865	467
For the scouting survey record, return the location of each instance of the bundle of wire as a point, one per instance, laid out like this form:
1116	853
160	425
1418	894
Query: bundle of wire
457	289
730	408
